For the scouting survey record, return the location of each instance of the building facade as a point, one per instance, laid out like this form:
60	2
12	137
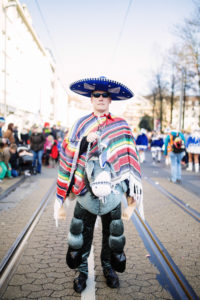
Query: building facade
30	90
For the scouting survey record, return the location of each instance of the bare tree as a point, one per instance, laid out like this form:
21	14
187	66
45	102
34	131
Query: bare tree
158	92
189	33
173	76
161	86
154	94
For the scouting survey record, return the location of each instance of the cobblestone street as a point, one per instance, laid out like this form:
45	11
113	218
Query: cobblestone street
42	272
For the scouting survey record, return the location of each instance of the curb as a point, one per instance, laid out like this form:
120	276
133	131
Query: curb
12	188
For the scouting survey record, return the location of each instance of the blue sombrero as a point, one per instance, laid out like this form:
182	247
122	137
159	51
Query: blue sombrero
117	90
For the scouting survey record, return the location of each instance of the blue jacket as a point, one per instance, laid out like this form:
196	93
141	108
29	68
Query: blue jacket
157	142
193	140
142	140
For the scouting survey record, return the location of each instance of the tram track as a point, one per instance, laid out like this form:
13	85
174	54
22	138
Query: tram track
159	256
10	259
174	279
177	201
5	193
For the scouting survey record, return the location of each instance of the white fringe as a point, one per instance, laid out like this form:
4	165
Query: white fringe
135	186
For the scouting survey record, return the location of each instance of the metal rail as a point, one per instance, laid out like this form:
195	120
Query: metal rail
8	261
185	207
170	275
12	188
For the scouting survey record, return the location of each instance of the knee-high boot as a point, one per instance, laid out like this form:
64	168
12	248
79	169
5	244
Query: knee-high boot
116	243
75	241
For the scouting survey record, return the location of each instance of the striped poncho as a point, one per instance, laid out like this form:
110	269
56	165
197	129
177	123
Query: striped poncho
119	152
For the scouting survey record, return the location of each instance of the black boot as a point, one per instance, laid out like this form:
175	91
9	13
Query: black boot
118	261
112	279
80	282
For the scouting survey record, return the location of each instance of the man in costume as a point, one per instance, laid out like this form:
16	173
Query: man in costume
100	166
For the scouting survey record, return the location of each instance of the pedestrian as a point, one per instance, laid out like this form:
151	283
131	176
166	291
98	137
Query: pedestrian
25	137
142	144
193	149
175	148
3	141
46	129
37	140
54	153
165	134
47	149
2	123
5	166
16	135
156	146
25	156
9	133
54	132
99	166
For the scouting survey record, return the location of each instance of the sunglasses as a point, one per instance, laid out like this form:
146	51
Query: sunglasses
97	95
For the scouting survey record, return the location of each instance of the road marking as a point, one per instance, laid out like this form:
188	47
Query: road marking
89	292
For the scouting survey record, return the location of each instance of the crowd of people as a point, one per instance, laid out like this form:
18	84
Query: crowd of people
178	148
26	152
36	146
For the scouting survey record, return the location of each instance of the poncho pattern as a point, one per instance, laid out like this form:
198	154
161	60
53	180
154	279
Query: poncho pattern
119	151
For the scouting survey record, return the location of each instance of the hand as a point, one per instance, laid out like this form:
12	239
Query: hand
128	211
59	212
91	137
131	201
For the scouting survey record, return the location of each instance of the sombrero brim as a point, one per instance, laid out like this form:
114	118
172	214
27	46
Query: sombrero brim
117	90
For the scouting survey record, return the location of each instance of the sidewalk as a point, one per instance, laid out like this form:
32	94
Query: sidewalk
8	184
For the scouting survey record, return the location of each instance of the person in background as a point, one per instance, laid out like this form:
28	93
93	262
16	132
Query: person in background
156	146
59	144
25	158
2	123
3	141
14	162
5	155
54	153
37	140
193	149
166	132
46	129
9	133
24	136
54	132
47	149
99	165
16	136
174	146
142	144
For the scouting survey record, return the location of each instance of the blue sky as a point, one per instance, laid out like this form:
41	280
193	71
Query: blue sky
84	36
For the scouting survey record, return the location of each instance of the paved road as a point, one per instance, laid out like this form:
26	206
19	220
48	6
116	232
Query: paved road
43	274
